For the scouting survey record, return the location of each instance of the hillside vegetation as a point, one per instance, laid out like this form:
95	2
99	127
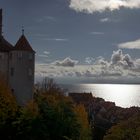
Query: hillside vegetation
49	116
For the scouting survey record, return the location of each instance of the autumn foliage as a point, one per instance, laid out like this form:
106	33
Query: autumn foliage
8	106
125	130
49	116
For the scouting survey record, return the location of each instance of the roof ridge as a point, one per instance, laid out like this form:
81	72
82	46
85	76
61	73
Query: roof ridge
5	45
23	44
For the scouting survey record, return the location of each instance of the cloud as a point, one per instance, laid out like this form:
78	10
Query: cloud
120	59
50	18
91	6
39	35
96	33
130	45
45	54
67	62
116	57
119	66
56	39
105	19
89	60
46	18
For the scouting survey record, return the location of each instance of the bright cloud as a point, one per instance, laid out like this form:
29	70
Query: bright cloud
45	54
56	39
105	20
46	18
130	45
91	6
120	59
67	62
119	66
89	60
97	33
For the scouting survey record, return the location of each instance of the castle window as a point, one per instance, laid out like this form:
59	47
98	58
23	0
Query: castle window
19	55
10	56
1	56
30	56
30	72
12	71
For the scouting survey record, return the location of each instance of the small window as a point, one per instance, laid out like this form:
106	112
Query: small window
10	55
30	72
30	56
1	56
19	55
12	71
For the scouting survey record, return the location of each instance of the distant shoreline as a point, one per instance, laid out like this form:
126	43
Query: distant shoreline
124	95
99	83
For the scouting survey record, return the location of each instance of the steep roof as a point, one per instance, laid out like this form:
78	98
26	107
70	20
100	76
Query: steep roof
1	22
5	46
23	45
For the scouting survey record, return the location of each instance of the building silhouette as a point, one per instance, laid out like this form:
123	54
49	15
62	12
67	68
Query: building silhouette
17	66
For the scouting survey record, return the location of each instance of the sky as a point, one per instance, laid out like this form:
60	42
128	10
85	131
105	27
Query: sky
78	41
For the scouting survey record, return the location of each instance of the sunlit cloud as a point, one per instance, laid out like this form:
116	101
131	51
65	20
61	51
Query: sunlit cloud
91	6
44	54
56	39
67	62
119	66
105	19
130	45
89	60
96	33
46	18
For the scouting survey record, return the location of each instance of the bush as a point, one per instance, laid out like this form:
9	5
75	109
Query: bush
125	130
49	116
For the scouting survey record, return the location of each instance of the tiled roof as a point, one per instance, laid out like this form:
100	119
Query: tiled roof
23	44
5	46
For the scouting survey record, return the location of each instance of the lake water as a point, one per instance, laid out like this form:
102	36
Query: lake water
123	95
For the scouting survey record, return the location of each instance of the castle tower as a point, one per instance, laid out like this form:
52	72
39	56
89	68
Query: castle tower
0	22
21	71
5	48
17	66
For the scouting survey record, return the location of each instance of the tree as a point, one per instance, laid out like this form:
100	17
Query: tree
62	118
8	109
85	130
56	112
125	130
49	116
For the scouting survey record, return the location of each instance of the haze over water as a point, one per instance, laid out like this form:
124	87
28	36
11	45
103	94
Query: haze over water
122	94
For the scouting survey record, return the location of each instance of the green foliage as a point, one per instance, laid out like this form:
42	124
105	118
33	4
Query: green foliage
8	109
49	116
8	105
125	130
57	116
85	130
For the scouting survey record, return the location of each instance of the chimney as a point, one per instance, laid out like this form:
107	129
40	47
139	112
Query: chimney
0	22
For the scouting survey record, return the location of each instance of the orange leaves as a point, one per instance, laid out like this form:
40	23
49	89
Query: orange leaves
8	106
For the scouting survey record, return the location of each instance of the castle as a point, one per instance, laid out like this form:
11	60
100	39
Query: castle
17	66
